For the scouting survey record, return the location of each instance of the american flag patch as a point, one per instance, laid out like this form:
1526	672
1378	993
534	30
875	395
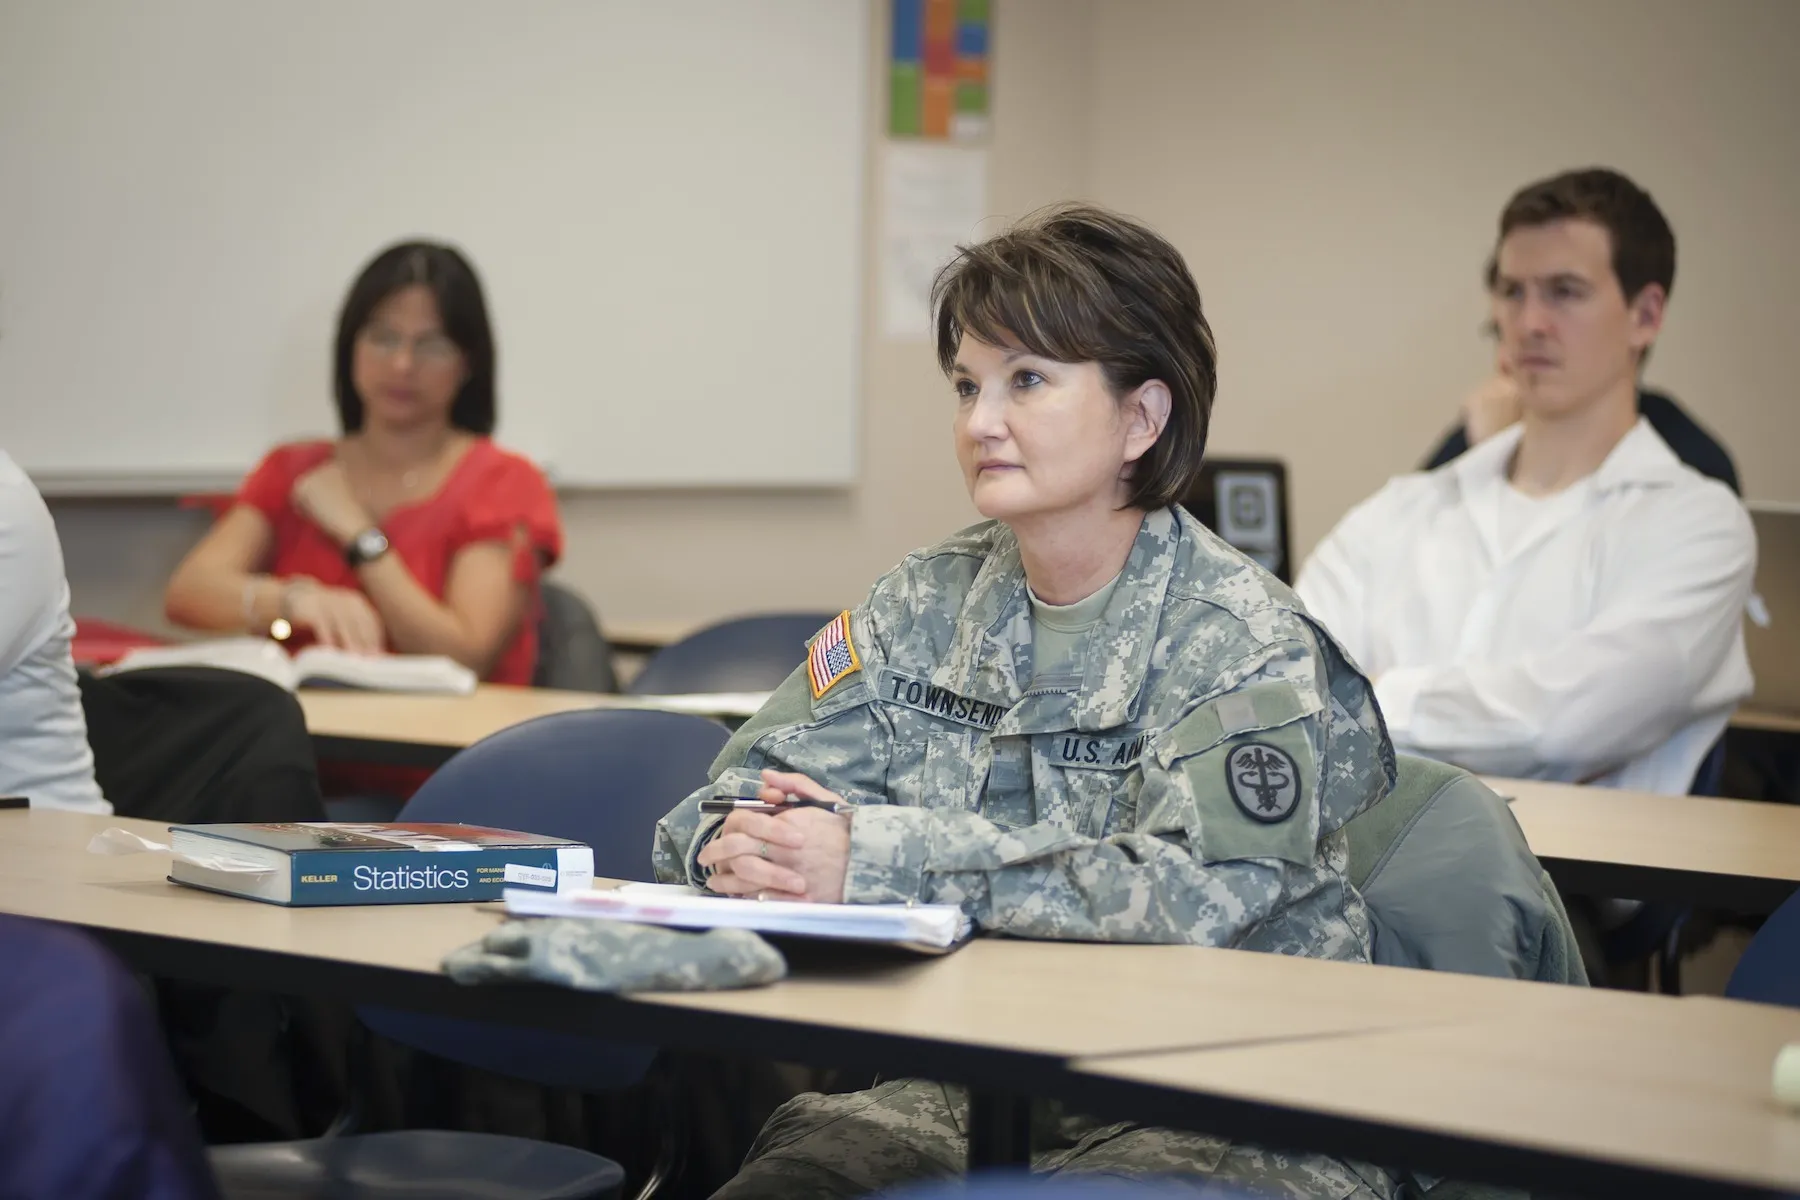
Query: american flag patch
832	656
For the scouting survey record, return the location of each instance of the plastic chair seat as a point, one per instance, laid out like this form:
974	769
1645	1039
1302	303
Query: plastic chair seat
413	1164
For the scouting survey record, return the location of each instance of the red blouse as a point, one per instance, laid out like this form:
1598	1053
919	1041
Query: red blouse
490	495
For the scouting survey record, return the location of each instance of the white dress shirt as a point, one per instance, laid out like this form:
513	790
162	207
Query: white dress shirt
1594	636
44	752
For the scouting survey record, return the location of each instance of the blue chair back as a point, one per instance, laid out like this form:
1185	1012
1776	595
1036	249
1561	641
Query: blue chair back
1769	971
599	777
747	654
604	777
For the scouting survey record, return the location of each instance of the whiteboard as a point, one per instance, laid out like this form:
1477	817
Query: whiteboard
663	200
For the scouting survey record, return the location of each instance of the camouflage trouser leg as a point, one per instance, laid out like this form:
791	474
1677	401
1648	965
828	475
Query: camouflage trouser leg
818	1147
1138	1151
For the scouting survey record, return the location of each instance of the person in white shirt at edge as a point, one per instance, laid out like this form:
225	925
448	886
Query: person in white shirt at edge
44	754
1564	601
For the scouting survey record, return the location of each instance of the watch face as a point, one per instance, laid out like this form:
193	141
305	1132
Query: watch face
370	544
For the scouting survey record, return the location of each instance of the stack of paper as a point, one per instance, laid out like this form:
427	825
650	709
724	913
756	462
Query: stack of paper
920	926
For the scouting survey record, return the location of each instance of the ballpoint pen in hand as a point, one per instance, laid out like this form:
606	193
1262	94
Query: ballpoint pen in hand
731	804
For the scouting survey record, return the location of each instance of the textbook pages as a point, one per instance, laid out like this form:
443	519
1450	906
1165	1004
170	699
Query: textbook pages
933	928
314	666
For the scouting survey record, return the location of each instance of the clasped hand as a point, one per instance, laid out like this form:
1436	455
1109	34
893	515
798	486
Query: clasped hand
799	854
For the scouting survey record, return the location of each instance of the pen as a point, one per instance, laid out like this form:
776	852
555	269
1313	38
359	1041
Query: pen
729	804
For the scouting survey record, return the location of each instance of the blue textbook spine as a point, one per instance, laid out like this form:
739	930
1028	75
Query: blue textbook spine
418	877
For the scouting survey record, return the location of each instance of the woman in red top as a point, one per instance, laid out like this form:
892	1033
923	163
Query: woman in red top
412	532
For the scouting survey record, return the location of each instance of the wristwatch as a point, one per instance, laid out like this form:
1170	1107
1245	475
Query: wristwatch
366	547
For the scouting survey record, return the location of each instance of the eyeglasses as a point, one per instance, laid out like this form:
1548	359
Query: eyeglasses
432	350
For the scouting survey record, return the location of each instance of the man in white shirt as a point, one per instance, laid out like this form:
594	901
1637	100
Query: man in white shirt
1563	601
44	754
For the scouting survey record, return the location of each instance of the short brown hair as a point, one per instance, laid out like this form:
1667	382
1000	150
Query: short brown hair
1643	245
1078	284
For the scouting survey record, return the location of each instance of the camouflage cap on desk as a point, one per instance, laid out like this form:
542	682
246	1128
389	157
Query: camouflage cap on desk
615	956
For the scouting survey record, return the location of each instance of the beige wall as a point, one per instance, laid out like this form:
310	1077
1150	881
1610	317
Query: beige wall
1332	172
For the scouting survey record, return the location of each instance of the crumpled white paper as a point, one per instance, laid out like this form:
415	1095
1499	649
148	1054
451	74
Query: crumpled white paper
117	841
122	841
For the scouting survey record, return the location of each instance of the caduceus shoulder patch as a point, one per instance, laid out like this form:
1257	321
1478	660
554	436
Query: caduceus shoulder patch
832	656
1264	781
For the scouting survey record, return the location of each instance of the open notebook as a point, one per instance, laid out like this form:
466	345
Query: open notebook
929	928
313	666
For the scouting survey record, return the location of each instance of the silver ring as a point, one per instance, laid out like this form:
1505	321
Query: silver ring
761	896
762	848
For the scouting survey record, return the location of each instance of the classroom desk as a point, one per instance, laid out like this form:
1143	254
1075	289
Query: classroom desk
1767	720
1741	855
1004	1017
649	636
1625	1099
425	730
1044	999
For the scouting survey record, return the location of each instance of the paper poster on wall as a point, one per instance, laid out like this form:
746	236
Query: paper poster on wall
938	69
933	198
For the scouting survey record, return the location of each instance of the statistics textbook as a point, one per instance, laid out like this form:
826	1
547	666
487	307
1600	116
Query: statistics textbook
319	863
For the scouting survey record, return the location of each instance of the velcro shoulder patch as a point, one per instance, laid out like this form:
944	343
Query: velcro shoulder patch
1254	707
1248	768
831	657
1256	795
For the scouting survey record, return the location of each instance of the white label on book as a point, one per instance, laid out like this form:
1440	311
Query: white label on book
575	867
533	876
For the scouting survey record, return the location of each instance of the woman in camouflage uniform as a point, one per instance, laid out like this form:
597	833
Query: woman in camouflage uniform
1086	718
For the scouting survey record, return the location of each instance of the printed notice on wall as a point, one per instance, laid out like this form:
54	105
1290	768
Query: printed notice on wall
933	198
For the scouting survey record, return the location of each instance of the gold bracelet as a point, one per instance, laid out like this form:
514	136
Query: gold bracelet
282	627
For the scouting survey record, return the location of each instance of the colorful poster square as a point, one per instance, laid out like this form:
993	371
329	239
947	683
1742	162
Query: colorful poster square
938	84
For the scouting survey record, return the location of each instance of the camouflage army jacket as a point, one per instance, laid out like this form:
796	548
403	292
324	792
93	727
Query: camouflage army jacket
1188	785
